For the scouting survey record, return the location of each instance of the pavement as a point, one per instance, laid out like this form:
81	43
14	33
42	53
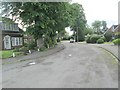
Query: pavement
34	55
111	48
77	66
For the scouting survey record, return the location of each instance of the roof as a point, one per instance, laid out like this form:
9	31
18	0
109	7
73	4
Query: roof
113	29
8	26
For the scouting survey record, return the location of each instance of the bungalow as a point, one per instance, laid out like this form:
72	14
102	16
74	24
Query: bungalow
11	35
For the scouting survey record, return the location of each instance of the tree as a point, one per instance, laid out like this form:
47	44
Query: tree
96	26
104	26
99	26
41	18
45	18
88	30
78	21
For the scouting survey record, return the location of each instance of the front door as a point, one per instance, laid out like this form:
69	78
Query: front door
7	42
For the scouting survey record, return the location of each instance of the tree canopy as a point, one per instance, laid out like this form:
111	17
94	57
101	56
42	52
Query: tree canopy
45	18
99	26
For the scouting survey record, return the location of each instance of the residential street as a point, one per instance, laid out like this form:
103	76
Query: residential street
79	65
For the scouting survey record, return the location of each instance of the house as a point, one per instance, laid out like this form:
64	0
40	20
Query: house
114	29
11	35
117	30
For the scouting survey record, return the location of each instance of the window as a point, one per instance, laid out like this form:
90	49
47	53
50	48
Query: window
13	41
16	41
21	42
15	27
7	27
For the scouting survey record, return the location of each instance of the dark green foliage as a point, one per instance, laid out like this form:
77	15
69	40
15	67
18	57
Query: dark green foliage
66	38
103	38
100	41
45	18
88	39
78	19
43	48
108	36
58	40
24	49
31	45
16	50
99	26
116	41
117	36
88	30
94	38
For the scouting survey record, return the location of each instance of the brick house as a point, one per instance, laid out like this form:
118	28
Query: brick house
11	35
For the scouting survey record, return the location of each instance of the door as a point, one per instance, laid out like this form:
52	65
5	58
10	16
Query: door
7	42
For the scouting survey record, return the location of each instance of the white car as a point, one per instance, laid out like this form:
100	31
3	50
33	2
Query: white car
72	40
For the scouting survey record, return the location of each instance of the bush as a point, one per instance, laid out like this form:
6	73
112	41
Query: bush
43	48
94	38
103	38
24	49
116	41
58	40
100	41
16	50
31	45
117	35
108	36
88	39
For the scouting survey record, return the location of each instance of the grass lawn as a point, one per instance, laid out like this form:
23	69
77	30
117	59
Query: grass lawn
8	53
108	42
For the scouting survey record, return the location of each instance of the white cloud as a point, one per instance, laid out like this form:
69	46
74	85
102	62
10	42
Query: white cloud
100	10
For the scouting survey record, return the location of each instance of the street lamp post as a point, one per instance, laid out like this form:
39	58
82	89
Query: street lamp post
77	34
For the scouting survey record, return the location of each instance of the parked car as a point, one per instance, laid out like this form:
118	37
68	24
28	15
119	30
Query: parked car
72	40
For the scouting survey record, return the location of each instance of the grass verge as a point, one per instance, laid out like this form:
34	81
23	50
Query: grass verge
8	53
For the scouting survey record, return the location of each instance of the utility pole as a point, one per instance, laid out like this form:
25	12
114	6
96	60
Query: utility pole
77	35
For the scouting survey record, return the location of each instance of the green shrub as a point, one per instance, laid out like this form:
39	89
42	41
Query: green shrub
94	38
24	49
25	44
58	40
43	48
100	41
16	50
116	41
117	35
108	36
88	39
31	45
103	38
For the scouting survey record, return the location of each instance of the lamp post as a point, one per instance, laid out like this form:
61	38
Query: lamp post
77	34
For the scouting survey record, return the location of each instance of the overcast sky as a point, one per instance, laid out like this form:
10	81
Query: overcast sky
100	10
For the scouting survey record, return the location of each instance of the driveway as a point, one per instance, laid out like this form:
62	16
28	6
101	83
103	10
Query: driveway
77	66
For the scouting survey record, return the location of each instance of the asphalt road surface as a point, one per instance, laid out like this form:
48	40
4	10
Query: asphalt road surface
77	66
